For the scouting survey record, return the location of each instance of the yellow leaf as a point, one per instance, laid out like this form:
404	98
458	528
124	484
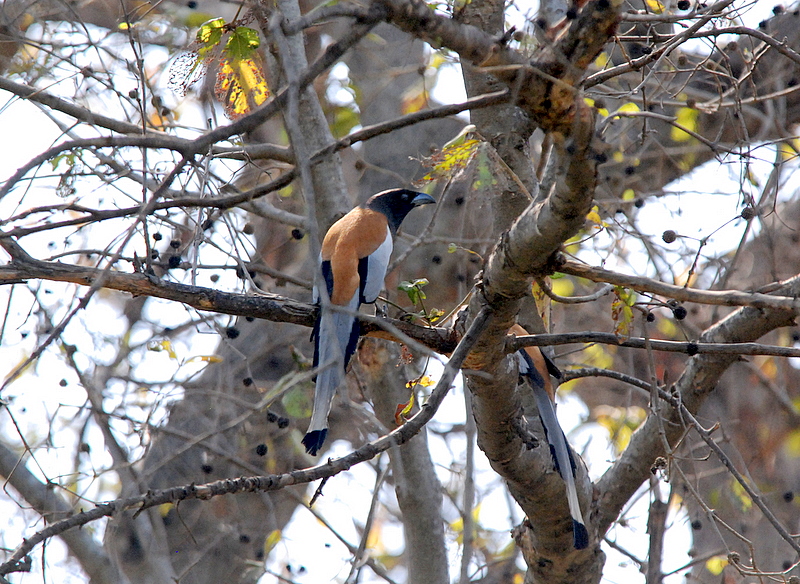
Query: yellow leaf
424	381
241	85
597	356
792	443
676	503
414	98
272	540
402	411
623	438
687	118
165	345
744	499
451	159
594	217
437	60
666	326
629	107
621	311
572	246
601	61
628	195
543	303
165	508
618	157
563	287
716	564
207	359
655	6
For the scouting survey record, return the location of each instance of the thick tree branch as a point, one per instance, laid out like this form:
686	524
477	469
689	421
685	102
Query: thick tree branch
271	307
544	86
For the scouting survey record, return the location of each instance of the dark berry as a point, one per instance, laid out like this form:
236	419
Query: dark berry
297	234
207	468
437	259
629	170
154	254
63	383
247	381
669	236
214	277
650	317
232	332
244	538
174	262
158	237
748	213
261	449
638	203
679	312
692	349
248	229
191	4
272	417
249	318
696	525
175	243
788	496
684	4
283	422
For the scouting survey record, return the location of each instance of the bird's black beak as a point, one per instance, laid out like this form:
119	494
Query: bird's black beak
422	199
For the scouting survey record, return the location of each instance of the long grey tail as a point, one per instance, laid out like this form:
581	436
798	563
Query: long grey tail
562	456
333	340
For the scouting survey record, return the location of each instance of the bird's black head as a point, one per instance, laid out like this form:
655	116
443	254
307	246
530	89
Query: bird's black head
396	204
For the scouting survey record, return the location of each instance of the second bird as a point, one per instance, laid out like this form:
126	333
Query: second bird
354	258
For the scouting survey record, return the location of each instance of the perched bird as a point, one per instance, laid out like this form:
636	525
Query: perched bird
354	257
535	366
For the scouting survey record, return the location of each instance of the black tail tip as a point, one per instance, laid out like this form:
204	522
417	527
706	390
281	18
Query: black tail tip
580	537
314	440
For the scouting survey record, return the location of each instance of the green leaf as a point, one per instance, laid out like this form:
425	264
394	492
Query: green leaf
295	402
242	42
414	289
209	35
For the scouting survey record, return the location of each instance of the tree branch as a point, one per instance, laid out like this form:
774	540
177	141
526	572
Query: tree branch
682	293
257	484
699	378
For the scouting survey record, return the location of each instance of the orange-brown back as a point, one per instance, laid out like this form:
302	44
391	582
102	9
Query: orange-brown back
354	236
